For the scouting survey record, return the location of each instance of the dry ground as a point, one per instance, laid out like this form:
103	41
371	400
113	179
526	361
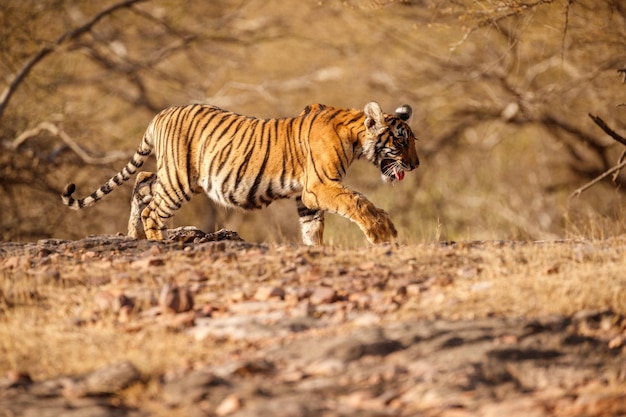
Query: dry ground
108	326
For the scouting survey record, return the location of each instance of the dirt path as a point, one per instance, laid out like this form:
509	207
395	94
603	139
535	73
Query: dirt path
108	326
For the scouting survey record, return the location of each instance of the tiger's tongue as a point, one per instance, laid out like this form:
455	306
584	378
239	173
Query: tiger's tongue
399	175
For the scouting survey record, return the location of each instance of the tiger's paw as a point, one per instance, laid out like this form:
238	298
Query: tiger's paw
382	230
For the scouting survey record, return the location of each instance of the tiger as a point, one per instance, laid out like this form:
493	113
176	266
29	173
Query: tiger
246	162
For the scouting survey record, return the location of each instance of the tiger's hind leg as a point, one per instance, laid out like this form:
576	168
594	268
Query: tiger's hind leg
155	217
141	197
311	224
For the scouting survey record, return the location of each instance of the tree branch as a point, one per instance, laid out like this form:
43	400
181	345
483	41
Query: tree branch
621	163
616	136
46	50
596	180
565	26
54	130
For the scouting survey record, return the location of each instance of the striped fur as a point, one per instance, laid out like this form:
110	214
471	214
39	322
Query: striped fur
245	162
141	197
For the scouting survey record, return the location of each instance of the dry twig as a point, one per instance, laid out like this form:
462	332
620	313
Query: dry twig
596	180
602	124
621	163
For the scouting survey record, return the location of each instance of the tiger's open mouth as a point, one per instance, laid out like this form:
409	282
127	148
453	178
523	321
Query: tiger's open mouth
391	170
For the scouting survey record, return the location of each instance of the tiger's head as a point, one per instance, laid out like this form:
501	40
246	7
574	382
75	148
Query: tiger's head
389	143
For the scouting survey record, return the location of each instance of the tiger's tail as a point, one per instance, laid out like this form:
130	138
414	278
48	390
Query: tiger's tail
141	155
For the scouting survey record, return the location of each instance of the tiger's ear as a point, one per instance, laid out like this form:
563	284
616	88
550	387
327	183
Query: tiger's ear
404	112
374	117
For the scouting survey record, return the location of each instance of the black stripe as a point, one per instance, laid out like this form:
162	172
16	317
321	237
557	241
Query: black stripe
182	152
196	118
249	149
307	212
192	131
286	151
343	167
220	159
226	149
225	189
273	132
335	114
169	119
106	188
166	193
257	180
313	117
354	120
135	163
223	118
174	134
206	137
93	196
328	174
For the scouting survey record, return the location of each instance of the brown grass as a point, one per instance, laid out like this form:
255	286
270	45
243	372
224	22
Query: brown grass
51	322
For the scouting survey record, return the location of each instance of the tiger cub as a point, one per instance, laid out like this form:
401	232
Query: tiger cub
245	162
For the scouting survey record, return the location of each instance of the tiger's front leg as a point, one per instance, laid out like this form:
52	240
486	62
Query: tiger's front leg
311	224
374	222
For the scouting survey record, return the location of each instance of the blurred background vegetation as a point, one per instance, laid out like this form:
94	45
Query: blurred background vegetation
501	91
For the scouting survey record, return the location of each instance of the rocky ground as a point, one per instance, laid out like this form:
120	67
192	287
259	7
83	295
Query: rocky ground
110	326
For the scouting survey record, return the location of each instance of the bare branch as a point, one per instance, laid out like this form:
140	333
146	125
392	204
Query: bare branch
621	159
616	136
56	131
596	180
500	12
46	50
267	87
565	26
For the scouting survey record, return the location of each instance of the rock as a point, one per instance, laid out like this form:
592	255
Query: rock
247	328
323	295
175	299
266	292
520	406
12	262
111	379
112	301
366	319
191	387
191	234
229	405
350	349
145	264
107	380
326	367
15	379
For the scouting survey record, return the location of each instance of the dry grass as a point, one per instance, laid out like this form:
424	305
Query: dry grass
52	322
